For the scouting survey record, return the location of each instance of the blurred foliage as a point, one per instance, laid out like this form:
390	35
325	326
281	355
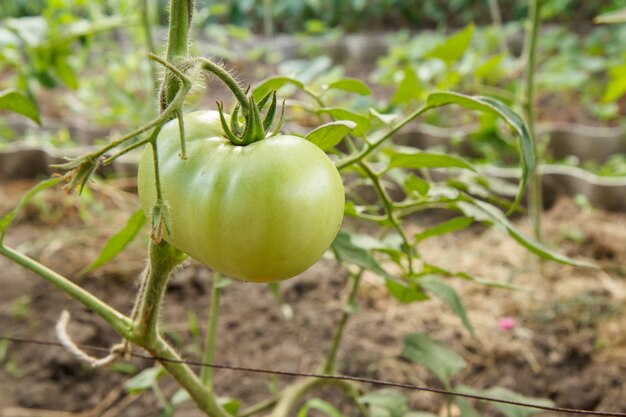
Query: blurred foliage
353	15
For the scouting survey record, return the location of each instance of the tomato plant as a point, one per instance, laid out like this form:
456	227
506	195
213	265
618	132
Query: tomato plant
262	212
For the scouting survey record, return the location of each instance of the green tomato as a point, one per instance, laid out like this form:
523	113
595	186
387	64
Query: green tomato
262	212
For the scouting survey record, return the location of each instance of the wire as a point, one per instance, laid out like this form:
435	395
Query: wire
335	377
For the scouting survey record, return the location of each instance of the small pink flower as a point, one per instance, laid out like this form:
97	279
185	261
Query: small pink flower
506	323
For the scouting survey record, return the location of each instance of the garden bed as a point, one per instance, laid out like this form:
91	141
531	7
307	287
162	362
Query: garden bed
568	343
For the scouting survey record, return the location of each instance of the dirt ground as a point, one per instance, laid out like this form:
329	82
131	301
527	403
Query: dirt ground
568	343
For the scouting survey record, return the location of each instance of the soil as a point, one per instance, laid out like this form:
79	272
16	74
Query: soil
568	343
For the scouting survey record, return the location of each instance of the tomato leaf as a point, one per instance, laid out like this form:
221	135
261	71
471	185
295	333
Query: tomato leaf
427	160
144	380
363	123
440	289
120	240
17	102
453	48
493	106
487	213
410	88
443	361
351	85
385	402
406	292
274	83
346	250
39	187
449	226
415	184
616	16
321	406
330	134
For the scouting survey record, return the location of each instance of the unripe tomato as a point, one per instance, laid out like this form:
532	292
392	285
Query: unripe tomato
262	212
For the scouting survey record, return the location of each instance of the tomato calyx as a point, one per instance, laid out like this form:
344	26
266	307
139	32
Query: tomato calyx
254	127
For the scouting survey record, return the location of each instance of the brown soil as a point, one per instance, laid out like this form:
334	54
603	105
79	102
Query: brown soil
569	343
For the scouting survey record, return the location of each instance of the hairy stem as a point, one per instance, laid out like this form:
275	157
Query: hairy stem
120	323
201	395
206	375
163	259
535	200
347	312
227	79
181	13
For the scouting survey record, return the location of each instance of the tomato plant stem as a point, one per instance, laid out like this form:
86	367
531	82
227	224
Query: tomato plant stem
181	13
391	214
535	197
120	323
348	310
294	393
206	375
163	259
227	79
376	142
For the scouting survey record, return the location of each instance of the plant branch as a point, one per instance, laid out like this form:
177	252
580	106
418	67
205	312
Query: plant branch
389	209
535	200
295	392
376	142
120	323
347	312
163	259
227	79
206	375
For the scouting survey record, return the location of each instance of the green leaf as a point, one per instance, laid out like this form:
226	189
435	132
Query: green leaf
385	118
406	292
351	85
416	184
515	411
409	89
330	134
616	16
616	87
428	160
466	409
321	406
385	403
65	72
448	294
363	123
179	397
493	106
509	410
453	48
443	361
120	240
346	250
17	102
231	405
144	379
433	269
487	213
449	226
274	83
39	187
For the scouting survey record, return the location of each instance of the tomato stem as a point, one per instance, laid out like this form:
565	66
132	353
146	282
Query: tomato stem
355	280
535	197
120	323
206	375
227	79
